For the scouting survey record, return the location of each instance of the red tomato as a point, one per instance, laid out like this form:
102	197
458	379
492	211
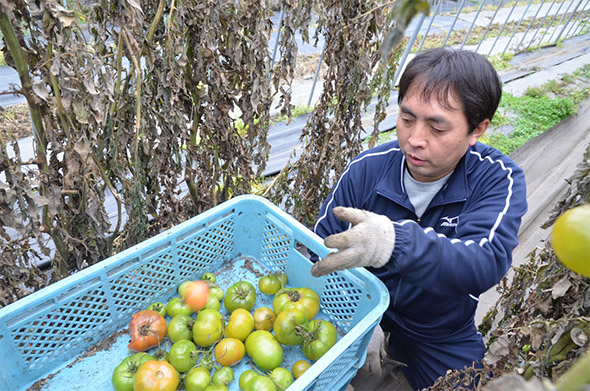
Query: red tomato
147	329
196	294
156	376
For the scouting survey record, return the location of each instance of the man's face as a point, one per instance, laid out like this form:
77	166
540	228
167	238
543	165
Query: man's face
433	138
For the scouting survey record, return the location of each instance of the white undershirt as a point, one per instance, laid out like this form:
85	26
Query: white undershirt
421	193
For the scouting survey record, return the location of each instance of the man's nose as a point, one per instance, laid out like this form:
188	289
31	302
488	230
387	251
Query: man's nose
418	136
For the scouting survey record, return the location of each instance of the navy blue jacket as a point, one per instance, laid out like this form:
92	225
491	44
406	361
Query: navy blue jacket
461	246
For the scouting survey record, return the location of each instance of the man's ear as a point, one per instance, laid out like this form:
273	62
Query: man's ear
479	131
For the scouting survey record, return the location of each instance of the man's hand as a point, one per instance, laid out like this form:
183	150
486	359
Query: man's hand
369	242
376	352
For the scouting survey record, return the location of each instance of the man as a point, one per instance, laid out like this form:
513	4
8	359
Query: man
435	215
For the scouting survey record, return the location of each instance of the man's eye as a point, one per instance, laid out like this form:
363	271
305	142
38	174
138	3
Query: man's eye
436	130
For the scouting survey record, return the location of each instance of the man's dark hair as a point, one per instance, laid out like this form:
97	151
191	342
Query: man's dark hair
466	75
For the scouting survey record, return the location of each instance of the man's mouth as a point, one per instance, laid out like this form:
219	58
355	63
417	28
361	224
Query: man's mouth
414	160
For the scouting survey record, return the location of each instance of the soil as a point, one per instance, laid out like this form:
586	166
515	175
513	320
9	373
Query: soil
15	121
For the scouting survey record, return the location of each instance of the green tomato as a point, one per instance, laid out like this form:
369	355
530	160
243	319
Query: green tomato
223	375
290	326
260	383
177	307
158	307
303	299
161	355
182	287
266	352
324	337
216	387
269	285
282	377
245	378
216	292
208	327
197	379
212	303
183	355
242	294
124	373
208	277
180	327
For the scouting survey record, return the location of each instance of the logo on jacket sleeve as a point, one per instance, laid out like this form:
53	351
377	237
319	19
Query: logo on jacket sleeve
449	221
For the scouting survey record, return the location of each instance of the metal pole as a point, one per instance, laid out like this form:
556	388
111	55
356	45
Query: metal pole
568	21
429	25
454	21
575	23
317	73
502	29
584	25
408	47
551	22
517	27
540	25
488	28
530	25
472	23
274	51
560	20
580	25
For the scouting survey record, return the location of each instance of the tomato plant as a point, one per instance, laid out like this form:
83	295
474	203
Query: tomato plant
223	376
147	329
180	327
571	239
264	349
124	373
281	377
321	336
264	319
196	294
208	327
289	326
197	379
240	325
242	294
229	351
260	383
303	299
176	307
299	367
156	376
158	307
183	355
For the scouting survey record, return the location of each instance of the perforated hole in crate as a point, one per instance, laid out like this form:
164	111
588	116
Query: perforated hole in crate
340	299
58	331
214	245
149	280
333	374
275	246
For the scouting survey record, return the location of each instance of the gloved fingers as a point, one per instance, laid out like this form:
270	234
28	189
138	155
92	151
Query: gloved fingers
342	240
340	260
351	215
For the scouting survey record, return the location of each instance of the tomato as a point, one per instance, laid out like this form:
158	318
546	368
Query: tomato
242	294
182	287
158	307
289	326
215	291
229	351
264	319
212	303
299	367
147	329
180	327
303	299
208	327
281	377
260	383
245	378
124	373
322	336
161	355
176	307
571	239
223	376
208	277
269	285
156	376
183	355
196	294
264	349
197	379
240	325
216	387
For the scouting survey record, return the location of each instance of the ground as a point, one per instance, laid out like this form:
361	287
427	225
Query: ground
15	121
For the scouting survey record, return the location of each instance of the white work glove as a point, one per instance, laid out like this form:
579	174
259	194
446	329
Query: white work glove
369	242
376	352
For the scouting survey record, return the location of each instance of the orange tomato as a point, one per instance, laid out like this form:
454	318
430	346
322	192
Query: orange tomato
229	351
196	294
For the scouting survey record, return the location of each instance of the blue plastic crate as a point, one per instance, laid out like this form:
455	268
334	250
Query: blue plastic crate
56	338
